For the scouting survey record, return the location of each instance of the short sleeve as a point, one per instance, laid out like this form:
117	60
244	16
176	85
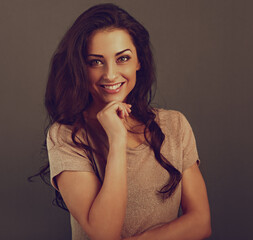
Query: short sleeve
190	153
63	154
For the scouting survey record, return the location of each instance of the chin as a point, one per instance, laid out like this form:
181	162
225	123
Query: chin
116	98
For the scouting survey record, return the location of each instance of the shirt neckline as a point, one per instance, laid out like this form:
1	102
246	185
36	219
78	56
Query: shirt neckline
138	148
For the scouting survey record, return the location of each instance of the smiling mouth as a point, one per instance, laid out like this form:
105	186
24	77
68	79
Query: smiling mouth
112	87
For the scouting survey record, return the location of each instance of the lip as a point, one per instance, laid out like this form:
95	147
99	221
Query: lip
112	91
106	84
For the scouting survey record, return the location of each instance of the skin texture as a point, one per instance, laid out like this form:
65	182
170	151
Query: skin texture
111	58
93	204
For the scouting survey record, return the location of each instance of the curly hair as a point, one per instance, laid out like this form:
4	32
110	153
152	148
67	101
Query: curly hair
67	94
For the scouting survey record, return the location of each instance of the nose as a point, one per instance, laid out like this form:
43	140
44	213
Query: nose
110	73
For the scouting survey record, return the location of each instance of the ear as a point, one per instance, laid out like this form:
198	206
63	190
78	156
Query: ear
138	67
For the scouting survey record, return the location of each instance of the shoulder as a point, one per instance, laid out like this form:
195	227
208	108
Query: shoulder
170	119
179	136
57	129
165	114
59	135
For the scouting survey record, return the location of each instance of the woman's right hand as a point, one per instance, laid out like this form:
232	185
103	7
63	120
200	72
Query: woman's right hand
112	117
91	203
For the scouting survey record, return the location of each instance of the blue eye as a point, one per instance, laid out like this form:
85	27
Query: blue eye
123	59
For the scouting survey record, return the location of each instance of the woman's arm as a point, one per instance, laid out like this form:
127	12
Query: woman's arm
100	210
195	223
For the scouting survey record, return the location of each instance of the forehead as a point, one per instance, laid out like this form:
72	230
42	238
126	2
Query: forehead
110	42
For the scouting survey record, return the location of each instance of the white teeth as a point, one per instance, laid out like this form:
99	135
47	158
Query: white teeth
112	87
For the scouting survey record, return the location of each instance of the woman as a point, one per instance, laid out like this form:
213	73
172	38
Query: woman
121	166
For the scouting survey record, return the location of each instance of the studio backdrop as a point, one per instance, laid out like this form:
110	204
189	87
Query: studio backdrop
203	53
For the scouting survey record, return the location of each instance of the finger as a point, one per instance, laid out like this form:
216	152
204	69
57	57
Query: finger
120	111
127	110
110	104
125	114
128	107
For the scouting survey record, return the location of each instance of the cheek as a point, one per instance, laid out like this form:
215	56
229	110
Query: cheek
93	75
130	72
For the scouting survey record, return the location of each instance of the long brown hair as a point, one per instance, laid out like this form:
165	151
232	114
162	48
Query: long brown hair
67	94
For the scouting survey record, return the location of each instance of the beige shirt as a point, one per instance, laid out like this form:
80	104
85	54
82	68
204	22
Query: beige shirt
145	208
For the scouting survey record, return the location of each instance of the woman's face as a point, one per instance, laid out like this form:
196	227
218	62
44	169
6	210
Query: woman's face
112	63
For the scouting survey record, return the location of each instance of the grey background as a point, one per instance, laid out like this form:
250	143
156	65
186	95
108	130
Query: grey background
203	51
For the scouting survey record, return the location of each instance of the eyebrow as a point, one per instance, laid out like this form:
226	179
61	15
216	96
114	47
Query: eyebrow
101	56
